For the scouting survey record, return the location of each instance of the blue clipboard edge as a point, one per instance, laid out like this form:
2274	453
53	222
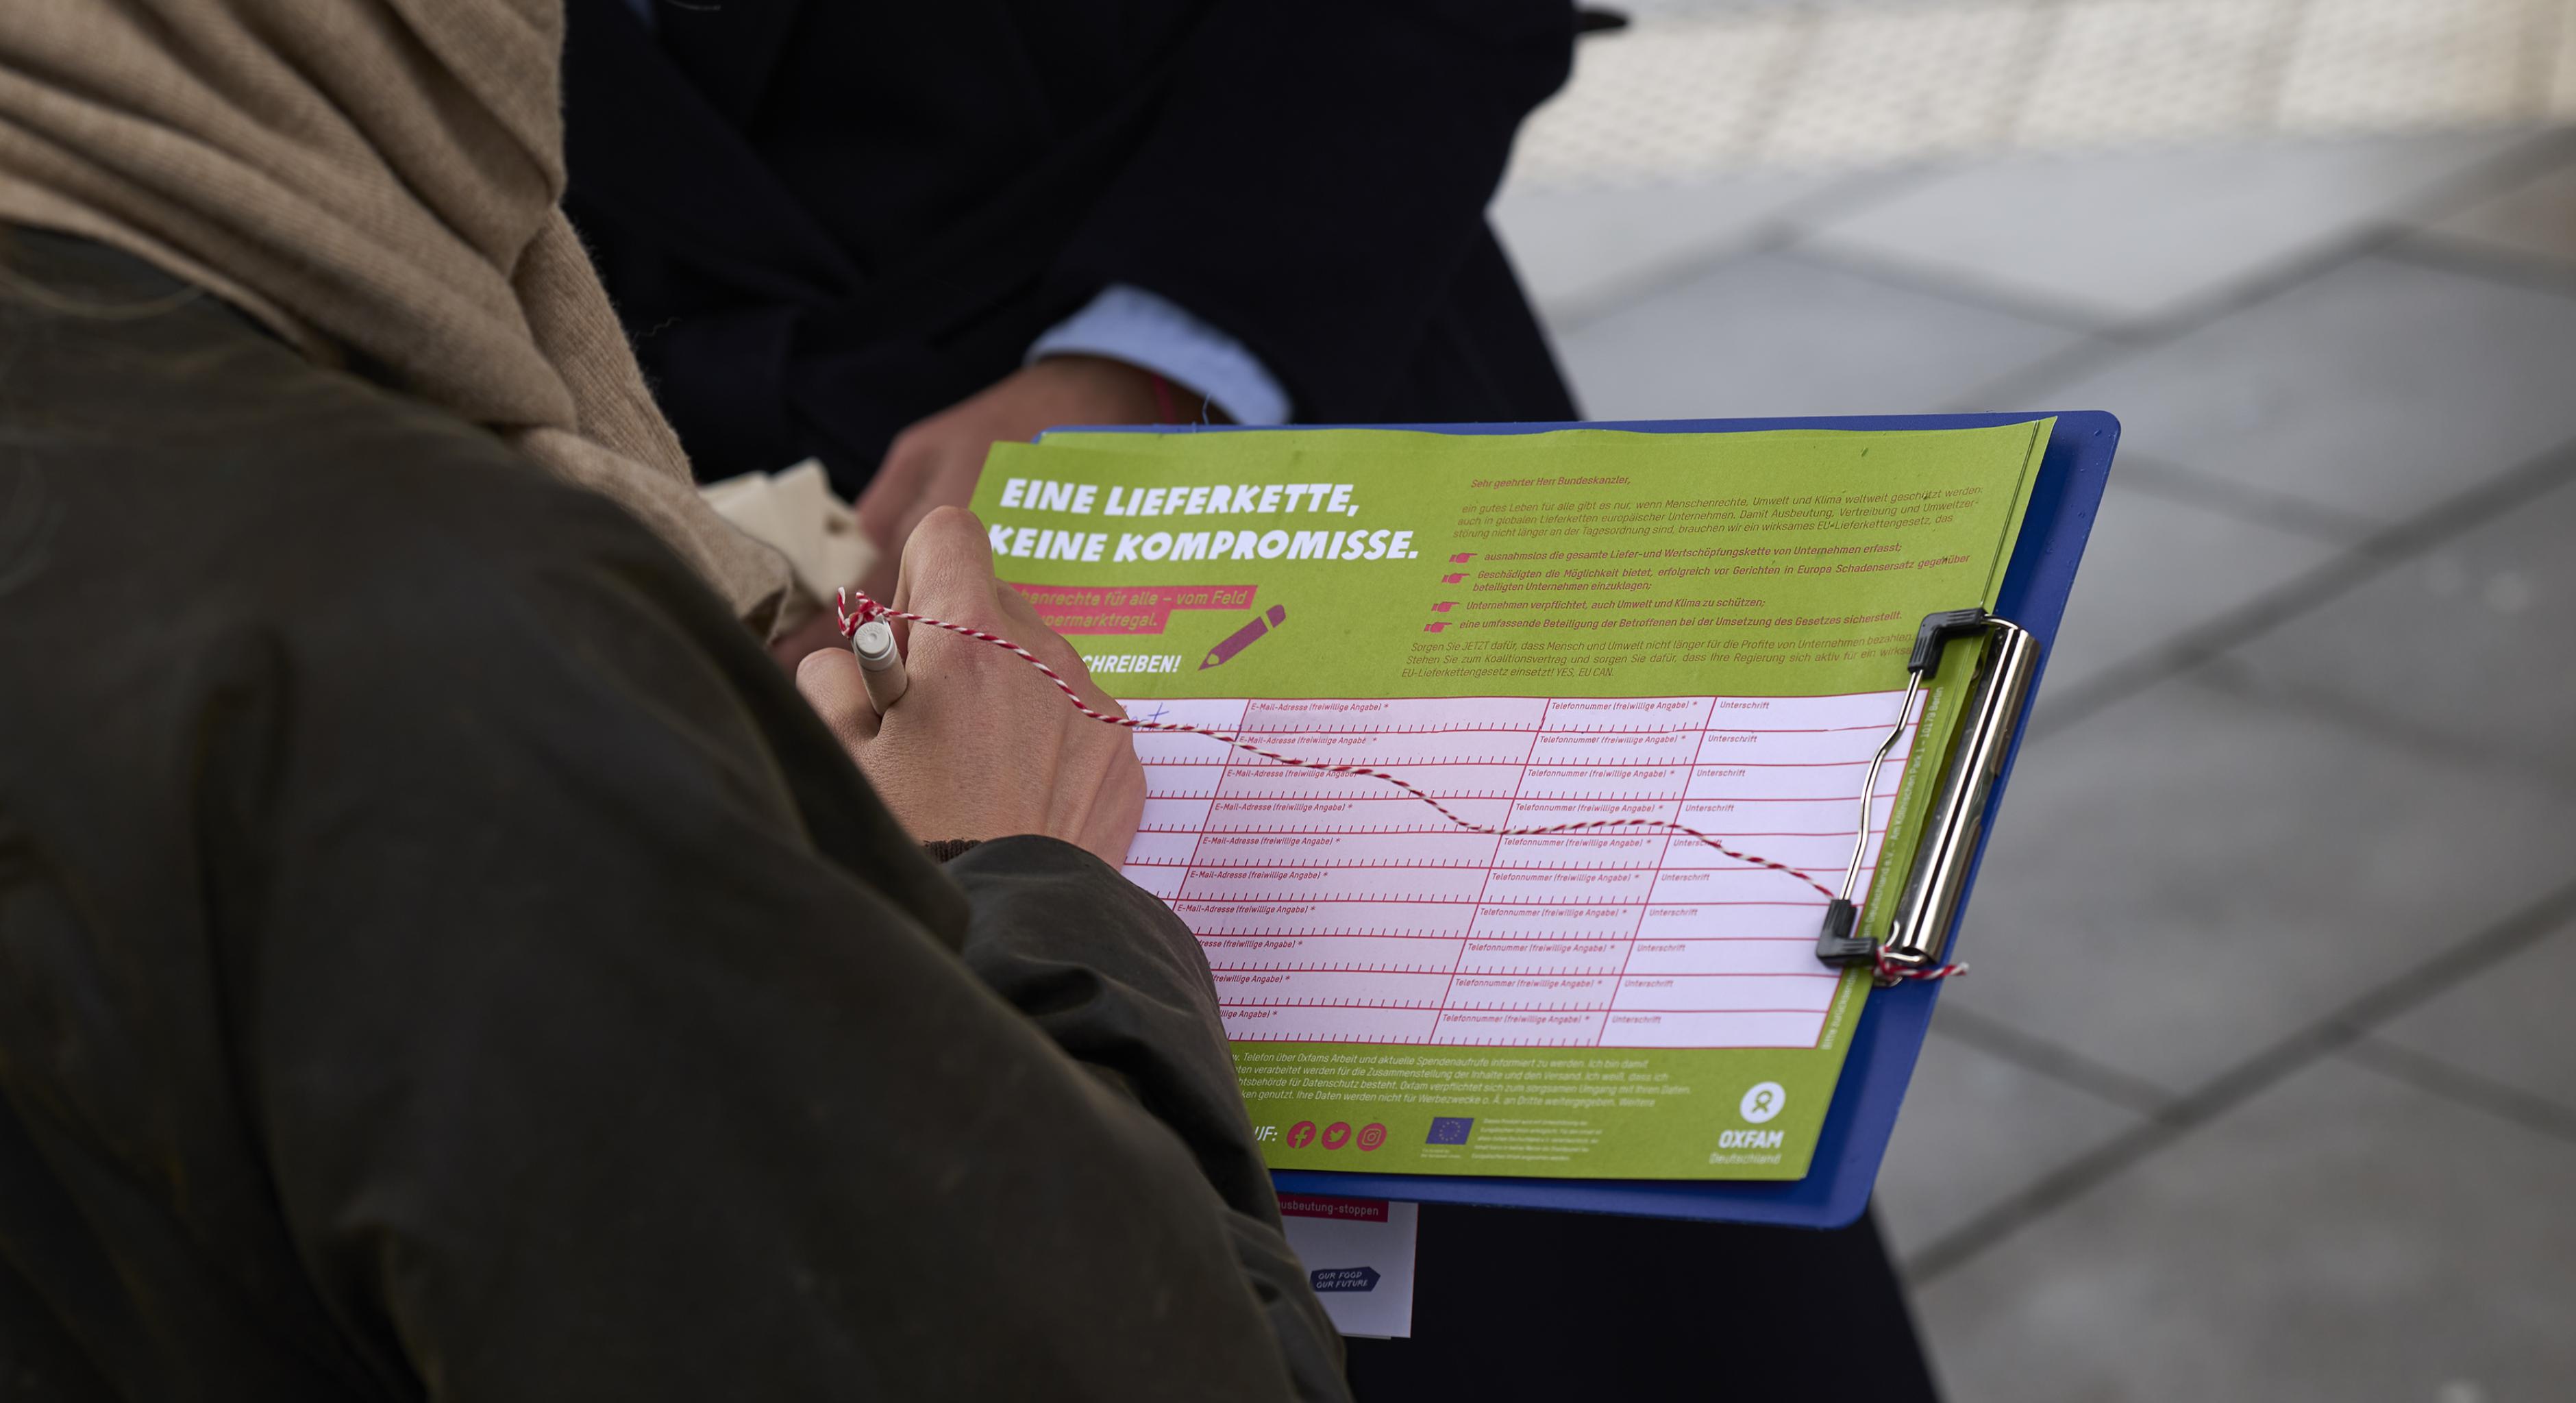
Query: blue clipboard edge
2073	472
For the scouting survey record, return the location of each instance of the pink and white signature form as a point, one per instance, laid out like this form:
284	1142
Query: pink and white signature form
1338	908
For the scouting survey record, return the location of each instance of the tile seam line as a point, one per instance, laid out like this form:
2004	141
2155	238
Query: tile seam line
2336	1030
2428	247
2171	480
2229	676
2062	1065
2305	593
1896	275
1772	235
2444	1080
2364	238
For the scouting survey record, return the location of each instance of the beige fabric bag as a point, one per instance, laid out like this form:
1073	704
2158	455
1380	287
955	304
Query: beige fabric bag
379	175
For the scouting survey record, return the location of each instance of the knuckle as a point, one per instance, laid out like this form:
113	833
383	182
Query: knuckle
953	522
948	553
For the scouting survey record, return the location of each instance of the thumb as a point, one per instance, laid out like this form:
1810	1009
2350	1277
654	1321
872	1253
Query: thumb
832	685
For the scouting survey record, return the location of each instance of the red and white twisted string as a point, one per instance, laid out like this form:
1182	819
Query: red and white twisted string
856	607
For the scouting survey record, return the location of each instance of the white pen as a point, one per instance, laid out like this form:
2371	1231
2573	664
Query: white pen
880	664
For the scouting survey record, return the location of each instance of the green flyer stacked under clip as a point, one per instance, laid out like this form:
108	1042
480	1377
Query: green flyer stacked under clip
1617	634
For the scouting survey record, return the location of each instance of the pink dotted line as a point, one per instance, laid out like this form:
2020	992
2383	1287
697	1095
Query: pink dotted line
866	608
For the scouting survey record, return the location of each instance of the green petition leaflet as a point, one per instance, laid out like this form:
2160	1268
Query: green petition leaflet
1612	636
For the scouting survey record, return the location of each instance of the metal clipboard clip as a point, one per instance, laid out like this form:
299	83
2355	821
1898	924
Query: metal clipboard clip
1938	876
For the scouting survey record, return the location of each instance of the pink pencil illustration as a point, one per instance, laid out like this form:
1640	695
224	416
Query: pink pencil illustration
1242	638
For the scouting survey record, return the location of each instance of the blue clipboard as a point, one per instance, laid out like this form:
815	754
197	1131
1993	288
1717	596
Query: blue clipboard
2072	474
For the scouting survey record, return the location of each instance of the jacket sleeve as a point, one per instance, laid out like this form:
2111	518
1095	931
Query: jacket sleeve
609	1041
1318	173
1111	976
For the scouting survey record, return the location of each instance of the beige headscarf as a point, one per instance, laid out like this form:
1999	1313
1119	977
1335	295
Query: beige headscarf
376	174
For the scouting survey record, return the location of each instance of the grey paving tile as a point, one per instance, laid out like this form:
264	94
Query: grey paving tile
2186	878
1766	335
2535	221
2155	569
2377	388
2342	1236
2508	1024
1976	1130
1580	252
2484	658
2152	234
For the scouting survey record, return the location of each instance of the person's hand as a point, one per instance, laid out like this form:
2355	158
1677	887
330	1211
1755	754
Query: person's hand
934	463
981	745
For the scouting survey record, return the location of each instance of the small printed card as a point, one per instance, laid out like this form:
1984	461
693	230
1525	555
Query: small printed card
1359	1254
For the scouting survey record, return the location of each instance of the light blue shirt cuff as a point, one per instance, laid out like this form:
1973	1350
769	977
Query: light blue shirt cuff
1129	324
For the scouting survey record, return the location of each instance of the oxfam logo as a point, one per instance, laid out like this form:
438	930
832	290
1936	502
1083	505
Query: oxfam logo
1762	1101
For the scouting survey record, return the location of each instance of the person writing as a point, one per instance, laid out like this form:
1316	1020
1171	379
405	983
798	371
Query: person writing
889	235
441	956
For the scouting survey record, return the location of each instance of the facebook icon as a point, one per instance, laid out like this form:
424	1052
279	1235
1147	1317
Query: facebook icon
1450	1130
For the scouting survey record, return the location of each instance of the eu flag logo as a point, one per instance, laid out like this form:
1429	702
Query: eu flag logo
1450	1130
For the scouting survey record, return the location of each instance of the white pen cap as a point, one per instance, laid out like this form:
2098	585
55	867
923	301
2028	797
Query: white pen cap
880	664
